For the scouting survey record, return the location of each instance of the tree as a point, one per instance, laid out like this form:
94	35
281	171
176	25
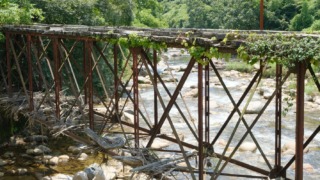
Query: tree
278	14
302	20
148	14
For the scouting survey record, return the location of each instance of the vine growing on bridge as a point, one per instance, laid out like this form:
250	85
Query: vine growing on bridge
287	50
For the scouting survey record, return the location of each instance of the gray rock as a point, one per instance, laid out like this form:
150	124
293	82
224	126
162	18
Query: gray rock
57	177
94	170
3	162
74	149
1	174
54	161
8	155
44	149
83	156
81	175
22	171
63	158
248	146
35	151
36	138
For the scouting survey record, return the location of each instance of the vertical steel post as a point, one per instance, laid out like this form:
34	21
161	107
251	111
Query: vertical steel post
261	15
85	59
116	80
135	95
31	106
155	66
207	104
278	167
9	88
55	44
301	70
200	120
90	84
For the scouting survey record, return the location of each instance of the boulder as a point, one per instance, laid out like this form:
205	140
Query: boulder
248	146
63	158
57	177
54	161
192	93
8	155
22	171
3	162
36	138
81	175
254	108
44	149
74	149
82	157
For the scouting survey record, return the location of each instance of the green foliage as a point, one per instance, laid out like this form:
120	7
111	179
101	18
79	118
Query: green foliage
302	20
287	50
13	13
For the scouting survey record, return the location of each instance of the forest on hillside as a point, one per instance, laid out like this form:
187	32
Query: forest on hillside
293	15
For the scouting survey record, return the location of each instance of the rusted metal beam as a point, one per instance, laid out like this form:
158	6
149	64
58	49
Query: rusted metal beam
85	69
29	59
57	78
116	78
278	111
207	104
135	52
301	70
90	84
155	87
200	121
9	78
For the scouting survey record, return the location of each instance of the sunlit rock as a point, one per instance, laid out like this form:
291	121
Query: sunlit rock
82	157
81	175
63	158
248	146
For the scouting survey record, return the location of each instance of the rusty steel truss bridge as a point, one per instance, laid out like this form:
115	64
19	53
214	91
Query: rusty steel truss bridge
42	48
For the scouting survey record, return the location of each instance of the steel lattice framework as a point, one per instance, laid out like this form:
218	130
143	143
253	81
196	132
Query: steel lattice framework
54	47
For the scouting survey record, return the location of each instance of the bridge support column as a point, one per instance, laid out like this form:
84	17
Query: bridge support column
301	70
90	83
278	109
200	120
155	97
135	69
57	78
9	80
116	79
29	59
